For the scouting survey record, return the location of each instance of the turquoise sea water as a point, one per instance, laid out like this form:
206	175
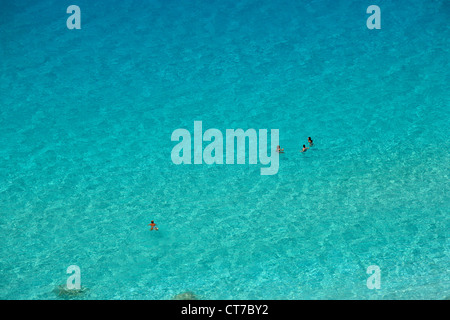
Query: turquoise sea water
86	118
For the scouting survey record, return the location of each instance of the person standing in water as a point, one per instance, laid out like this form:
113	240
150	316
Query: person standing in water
310	142
279	150
304	149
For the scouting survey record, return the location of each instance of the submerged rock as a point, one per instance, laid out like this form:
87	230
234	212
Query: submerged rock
188	295
64	292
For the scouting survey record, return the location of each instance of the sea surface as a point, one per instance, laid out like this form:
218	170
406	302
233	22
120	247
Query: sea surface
86	118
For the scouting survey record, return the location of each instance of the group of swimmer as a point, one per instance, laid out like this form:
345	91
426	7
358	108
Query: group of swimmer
281	150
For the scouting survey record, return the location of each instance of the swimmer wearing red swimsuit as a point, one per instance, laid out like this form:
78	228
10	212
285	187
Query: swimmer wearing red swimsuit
153	224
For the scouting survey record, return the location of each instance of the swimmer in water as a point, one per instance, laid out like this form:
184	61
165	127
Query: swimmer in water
310	142
153	224
279	150
304	149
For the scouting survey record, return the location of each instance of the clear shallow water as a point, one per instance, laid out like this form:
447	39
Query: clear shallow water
85	123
